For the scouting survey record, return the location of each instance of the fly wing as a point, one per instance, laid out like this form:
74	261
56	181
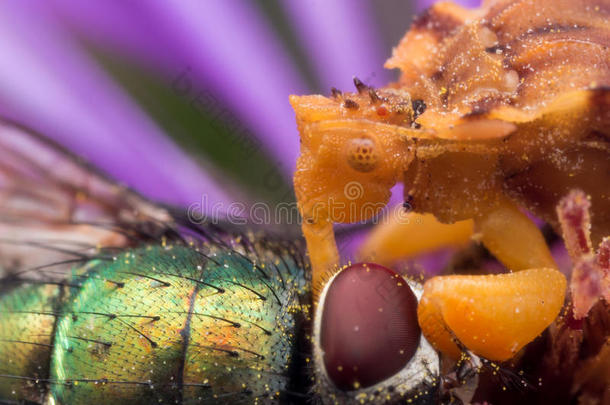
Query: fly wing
54	207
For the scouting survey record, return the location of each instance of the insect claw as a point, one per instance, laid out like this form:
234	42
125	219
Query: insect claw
361	87
335	92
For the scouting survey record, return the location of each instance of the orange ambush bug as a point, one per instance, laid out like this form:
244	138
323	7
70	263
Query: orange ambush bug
498	109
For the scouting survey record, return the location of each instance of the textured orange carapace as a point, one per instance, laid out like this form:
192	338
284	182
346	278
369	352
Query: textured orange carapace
498	109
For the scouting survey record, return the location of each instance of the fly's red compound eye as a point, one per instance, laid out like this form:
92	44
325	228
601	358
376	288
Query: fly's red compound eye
369	328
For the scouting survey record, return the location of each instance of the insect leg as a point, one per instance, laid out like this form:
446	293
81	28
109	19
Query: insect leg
408	234
322	247
496	315
514	239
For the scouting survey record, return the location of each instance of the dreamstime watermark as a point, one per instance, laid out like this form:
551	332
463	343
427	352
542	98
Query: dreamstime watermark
345	210
353	190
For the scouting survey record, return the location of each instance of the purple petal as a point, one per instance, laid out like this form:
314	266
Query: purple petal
350	245
424	4
341	39
222	49
48	84
118	25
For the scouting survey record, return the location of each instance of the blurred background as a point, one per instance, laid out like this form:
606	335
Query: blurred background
187	101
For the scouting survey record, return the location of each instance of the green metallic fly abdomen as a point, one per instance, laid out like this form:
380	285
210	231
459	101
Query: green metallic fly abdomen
109	298
26	337
160	324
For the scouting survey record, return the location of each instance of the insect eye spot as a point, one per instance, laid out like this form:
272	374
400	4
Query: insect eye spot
361	155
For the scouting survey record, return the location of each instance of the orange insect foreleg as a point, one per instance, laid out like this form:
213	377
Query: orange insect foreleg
493	315
496	315
404	235
323	252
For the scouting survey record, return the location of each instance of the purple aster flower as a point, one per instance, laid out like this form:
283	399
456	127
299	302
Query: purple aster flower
186	101
228	65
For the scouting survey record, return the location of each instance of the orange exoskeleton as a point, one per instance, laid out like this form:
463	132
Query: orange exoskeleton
498	109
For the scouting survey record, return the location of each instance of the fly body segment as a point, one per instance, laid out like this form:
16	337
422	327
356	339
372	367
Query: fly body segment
108	298
498	109
156	323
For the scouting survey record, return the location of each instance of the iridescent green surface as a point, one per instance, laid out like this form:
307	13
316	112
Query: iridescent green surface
160	324
26	338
